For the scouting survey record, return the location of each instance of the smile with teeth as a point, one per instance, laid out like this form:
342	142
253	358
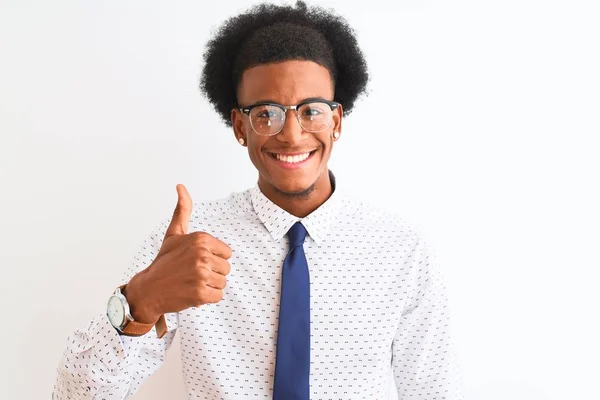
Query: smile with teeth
292	159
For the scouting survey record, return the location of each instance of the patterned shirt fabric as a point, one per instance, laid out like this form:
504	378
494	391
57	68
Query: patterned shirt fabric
378	310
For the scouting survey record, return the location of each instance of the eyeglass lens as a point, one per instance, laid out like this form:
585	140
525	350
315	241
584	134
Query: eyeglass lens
269	119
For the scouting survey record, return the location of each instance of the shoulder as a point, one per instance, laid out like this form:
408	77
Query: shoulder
236	203
368	216
228	211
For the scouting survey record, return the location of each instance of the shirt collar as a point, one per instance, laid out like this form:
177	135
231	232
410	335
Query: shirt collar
278	221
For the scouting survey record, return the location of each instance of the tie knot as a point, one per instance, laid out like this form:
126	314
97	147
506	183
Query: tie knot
297	234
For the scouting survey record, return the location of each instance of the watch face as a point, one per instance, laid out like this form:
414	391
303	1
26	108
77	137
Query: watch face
115	312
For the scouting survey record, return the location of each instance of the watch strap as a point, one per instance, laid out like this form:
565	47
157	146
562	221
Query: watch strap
135	328
161	326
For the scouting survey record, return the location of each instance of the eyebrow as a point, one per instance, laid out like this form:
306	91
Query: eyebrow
307	100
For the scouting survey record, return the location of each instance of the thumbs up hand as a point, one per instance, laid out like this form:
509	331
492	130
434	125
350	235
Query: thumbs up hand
190	269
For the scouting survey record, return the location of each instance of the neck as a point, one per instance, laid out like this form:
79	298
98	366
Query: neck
299	205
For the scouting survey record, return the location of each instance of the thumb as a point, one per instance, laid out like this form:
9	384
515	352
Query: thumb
181	216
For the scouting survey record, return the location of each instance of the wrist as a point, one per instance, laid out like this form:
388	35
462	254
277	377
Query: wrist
141	305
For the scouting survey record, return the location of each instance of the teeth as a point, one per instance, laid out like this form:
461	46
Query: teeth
293	159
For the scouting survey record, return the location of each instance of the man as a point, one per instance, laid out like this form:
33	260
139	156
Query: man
289	290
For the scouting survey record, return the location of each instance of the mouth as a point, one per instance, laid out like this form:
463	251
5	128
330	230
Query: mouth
292	161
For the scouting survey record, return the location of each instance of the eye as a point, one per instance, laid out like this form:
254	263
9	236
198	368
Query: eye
312	110
267	114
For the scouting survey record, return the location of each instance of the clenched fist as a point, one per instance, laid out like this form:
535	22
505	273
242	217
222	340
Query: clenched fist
190	269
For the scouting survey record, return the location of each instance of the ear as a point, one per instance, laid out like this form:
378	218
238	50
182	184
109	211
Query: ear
237	123
337	119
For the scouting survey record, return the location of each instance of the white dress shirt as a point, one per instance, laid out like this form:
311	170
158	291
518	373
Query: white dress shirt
378	307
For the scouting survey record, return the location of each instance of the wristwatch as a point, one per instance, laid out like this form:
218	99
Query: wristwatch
119	315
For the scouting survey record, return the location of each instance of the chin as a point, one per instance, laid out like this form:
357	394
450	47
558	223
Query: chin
301	188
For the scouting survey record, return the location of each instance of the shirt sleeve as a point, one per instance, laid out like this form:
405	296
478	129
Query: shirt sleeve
99	363
424	361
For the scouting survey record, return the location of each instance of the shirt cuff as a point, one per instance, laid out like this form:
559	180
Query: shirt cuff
124	348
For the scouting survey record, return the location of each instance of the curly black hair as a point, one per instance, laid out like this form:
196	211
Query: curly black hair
269	33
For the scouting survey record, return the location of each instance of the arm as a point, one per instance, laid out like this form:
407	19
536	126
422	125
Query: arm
423	359
100	363
173	271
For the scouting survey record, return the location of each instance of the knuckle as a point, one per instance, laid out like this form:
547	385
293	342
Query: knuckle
203	257
203	274
197	235
200	238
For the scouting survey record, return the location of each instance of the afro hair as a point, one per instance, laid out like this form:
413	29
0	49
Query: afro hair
269	33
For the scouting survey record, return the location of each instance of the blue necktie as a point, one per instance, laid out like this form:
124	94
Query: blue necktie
292	362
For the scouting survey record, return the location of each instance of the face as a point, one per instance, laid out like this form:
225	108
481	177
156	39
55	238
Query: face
287	83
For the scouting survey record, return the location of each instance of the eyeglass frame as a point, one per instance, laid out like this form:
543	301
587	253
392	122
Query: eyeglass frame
246	110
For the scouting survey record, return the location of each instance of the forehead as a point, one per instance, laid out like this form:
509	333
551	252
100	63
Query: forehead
287	83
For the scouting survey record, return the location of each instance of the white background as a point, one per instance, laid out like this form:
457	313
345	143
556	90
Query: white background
481	128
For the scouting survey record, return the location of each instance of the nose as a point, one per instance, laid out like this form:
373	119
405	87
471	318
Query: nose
291	132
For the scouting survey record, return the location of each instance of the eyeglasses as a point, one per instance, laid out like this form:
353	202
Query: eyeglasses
268	119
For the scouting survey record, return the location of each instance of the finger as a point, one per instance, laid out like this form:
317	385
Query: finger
220	265
212	295
216	281
206	241
181	216
218	247
209	242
